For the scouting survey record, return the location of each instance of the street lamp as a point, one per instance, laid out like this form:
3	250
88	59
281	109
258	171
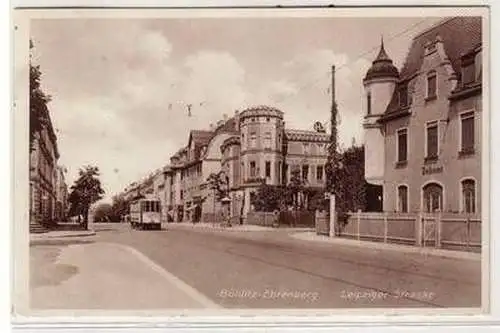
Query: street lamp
226	201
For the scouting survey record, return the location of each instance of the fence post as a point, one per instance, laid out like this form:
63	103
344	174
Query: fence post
358	224
468	232
418	229
437	227
332	216
385	227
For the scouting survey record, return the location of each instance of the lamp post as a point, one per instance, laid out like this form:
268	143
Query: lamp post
226	201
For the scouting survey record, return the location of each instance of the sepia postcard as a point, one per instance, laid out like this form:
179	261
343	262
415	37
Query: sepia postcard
311	162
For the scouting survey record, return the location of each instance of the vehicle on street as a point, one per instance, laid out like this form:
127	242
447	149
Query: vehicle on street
145	214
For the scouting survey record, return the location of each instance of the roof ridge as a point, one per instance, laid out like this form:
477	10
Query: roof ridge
435	25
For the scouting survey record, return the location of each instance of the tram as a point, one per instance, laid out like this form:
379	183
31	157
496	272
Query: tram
145	214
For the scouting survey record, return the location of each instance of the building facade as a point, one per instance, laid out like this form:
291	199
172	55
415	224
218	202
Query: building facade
44	173
61	194
249	149
422	124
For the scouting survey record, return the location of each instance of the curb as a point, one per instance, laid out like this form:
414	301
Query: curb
47	236
207	228
391	247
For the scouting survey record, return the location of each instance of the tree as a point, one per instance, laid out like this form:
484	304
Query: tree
295	188
219	183
85	191
348	180
39	113
119	208
103	213
268	198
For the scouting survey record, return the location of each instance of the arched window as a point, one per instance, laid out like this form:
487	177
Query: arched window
433	198
469	196
403	198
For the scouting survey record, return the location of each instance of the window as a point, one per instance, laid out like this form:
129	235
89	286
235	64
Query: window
268	169
432	142
467	132
403	199
305	172
403	96
469	196
306	148
432	197
252	169
431	84
182	195
402	145
319	173
267	119
468	71
285	174
267	140
369	104
253	140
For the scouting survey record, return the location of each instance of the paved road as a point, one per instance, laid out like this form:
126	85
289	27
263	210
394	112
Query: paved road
273	270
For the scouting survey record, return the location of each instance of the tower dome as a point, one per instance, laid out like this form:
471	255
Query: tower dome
382	66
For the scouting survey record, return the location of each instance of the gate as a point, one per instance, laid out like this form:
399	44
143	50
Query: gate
429	234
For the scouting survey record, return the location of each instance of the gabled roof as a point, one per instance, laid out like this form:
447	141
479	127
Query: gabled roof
200	137
459	35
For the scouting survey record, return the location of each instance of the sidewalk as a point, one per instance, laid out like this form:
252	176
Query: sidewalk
105	276
216	227
312	236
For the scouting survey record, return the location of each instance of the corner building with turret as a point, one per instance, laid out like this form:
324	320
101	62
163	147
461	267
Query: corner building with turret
252	148
422	124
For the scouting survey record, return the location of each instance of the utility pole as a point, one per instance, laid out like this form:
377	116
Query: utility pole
332	161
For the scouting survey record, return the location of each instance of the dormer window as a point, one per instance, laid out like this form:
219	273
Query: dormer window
403	96
468	71
431	85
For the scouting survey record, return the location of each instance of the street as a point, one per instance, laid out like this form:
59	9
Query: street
256	269
253	269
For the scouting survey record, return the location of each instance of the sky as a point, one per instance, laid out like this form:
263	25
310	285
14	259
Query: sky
120	87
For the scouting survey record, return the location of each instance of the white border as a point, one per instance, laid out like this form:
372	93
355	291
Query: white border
373	324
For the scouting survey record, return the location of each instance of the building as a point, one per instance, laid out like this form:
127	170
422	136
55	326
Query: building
251	148
422	123
43	176
61	194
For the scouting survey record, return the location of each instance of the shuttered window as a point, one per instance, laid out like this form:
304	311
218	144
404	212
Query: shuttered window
403	198
469	196
467	135
402	145
432	140
431	85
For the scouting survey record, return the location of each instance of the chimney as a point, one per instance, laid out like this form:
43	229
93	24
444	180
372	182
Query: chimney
236	112
225	116
212	127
